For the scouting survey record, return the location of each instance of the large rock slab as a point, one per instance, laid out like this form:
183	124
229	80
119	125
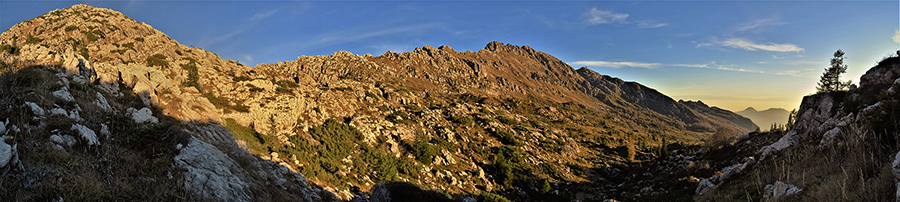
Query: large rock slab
207	176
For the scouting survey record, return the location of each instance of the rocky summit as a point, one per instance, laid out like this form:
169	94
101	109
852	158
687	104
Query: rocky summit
98	106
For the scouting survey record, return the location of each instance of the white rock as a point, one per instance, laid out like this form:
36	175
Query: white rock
3	126
86	133
104	130
143	115
73	114
63	140
59	111
101	102
79	79
703	186
829	136
6	152
783	189
63	93
733	169
786	141
37	110
896	166
207	176
63	80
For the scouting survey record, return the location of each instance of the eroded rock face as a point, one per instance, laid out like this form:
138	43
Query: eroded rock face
143	115
6	152
89	136
207	176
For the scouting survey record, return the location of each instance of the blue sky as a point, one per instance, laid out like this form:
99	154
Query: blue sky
731	54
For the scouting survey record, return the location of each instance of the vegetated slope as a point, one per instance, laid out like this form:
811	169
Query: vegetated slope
842	147
465	122
766	118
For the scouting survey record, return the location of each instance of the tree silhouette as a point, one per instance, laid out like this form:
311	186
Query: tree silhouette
830	80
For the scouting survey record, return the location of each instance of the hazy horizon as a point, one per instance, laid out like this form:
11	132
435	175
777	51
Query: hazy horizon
732	55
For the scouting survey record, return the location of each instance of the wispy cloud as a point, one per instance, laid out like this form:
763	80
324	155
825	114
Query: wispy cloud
746	44
800	62
596	16
776	57
711	65
759	23
896	36
691	65
617	64
645	25
263	15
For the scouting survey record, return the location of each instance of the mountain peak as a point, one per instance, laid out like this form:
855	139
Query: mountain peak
750	109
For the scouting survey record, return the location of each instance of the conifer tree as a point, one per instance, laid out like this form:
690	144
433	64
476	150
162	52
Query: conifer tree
830	80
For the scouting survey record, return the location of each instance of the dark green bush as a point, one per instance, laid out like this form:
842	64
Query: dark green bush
239	108
256	89
400	117
371	95
386	169
254	140
193	76
12	50
33	40
408	167
508	121
287	84
424	151
338	139
90	36
139	39
158	60
550	170
462	119
241	78
507	137
129	45
85	53
510	166
71	28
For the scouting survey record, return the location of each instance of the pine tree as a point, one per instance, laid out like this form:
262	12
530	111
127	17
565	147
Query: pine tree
791	118
830	80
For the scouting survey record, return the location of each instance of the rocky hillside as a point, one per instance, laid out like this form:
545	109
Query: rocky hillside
505	120
842	147
766	118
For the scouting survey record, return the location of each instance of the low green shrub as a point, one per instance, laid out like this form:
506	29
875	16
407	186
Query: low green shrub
462	119
241	78
158	60
507	137
424	151
193	76
33	40
12	50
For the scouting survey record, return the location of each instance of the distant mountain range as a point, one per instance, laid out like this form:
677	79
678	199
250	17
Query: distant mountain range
765	118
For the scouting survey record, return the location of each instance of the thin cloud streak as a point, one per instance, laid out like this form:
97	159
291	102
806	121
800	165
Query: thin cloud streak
263	15
645	65
750	26
596	17
746	44
647	25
